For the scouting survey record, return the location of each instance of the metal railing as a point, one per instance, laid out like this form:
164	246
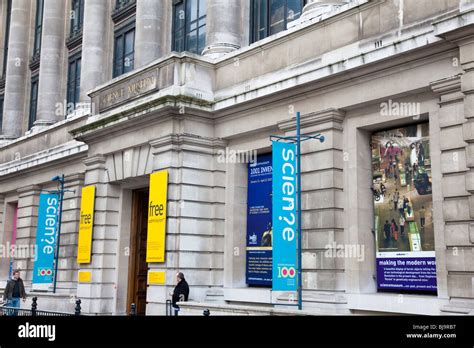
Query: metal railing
33	312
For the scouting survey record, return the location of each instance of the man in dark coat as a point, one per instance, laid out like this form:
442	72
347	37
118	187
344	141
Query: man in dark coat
15	291
181	292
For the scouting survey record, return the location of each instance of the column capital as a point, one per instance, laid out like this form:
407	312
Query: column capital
28	190
95	162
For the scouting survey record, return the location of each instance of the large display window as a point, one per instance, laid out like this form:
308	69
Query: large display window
402	191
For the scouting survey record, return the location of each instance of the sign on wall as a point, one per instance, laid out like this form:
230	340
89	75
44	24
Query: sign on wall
46	234
155	244
284	216
259	222
86	222
401	166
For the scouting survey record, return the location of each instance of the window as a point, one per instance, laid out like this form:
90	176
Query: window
7	39
120	4
1	112
272	16
73	82
189	25
124	51
77	17
33	101
38	27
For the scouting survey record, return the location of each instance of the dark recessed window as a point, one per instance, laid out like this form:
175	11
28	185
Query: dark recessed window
7	38
38	27
124	50
73	82
119	4
77	17
33	101
272	16
1	111
189	25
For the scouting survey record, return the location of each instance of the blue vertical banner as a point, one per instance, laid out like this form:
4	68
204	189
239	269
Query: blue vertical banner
284	216
46	234
259	222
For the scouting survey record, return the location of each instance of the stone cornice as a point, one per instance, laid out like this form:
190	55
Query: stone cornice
28	190
313	119
448	89
187	142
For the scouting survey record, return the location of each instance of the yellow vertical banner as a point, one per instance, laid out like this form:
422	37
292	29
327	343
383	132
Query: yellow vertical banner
155	244
86	222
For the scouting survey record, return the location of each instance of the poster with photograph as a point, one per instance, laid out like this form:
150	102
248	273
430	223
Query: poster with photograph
259	222
402	192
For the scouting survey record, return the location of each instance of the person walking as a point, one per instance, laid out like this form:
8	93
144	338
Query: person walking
401	222
394	230
422	217
396	195
14	292
180	293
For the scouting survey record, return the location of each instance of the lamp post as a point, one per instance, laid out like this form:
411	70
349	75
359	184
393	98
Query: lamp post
59	179
297	140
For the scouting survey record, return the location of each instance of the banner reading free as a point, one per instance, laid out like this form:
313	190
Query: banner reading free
84	247
284	216
155	244
46	234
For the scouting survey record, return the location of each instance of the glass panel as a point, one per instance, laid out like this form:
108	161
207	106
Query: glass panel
129	41
202	39
191	10
277	16
202	8
294	10
192	42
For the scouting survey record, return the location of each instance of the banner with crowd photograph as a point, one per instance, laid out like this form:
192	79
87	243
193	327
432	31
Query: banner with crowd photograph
259	222
402	191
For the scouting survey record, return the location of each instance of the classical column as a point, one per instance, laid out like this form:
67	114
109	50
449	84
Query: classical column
17	69
52	57
223	28
150	24
315	8
94	46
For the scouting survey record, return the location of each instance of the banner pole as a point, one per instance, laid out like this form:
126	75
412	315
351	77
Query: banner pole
61	193
298	197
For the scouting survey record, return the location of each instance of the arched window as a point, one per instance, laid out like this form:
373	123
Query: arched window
269	17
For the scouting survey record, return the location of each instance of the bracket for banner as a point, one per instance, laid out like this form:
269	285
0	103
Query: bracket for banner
297	140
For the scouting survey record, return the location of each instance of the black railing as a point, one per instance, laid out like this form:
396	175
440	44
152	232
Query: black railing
33	312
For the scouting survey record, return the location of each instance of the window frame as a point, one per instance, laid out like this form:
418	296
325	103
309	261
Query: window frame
33	112
6	41
38	32
75	28
122	32
73	59
187	25
254	30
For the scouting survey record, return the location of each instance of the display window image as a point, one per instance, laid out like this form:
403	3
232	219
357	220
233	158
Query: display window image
402	192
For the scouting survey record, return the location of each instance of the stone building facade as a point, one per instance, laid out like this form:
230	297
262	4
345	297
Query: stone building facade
167	85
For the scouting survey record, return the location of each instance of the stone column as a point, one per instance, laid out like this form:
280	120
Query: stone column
52	59
315	8
17	70
223	28
150	24
94	46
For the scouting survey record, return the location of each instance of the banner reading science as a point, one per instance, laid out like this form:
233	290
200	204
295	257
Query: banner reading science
259	222
86	222
155	244
284	216
46	233
401	165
